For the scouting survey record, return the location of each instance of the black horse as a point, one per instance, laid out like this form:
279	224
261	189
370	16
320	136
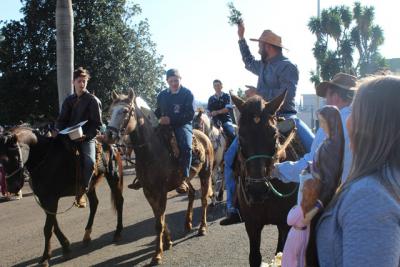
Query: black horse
53	170
262	199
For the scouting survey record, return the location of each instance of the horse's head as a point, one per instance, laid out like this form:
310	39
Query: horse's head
258	138
201	121
14	152
122	116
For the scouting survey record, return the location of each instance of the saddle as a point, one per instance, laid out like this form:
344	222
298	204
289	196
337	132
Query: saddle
99	166
168	137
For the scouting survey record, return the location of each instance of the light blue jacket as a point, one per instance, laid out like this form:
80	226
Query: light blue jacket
289	171
361	229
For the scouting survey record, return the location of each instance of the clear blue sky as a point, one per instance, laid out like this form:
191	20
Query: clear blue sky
195	37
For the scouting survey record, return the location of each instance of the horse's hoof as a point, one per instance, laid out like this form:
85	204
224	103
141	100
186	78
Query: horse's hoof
188	228
86	242
168	245
156	261
202	231
44	263
117	238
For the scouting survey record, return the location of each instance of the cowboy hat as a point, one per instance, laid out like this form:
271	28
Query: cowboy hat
74	132
269	37
342	80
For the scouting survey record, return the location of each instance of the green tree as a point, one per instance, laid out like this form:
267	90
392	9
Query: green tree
109	40
340	32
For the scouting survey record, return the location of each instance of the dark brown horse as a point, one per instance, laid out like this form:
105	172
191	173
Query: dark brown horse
156	168
53	170
262	199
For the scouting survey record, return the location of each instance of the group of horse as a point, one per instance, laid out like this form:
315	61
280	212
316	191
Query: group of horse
54	167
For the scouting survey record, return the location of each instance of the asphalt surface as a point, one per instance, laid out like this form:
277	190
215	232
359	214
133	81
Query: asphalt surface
22	240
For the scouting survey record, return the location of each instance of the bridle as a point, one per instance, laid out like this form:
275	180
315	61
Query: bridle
21	162
265	179
124	125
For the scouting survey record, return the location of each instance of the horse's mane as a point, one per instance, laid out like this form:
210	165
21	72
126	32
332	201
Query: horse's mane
120	98
24	134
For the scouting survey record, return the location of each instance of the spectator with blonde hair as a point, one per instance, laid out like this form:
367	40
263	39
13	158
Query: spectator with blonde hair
361	226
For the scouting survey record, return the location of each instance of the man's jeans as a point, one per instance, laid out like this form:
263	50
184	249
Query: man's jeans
305	135
230	185
184	139
229	129
88	150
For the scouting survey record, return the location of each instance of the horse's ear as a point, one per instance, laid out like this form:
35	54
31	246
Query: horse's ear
11	139
275	104
114	95
131	94
237	101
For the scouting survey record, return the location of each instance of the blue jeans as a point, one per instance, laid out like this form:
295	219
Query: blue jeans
88	150
229	130
230	185
184	139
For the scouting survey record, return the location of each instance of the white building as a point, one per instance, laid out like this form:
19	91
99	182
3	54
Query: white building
307	108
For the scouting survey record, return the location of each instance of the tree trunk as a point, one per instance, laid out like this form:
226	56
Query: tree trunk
65	48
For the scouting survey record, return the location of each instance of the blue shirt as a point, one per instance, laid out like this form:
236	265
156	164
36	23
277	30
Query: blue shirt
178	106
217	102
289	171
274	77
362	228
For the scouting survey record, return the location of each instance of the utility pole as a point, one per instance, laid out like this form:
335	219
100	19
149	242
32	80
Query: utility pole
317	70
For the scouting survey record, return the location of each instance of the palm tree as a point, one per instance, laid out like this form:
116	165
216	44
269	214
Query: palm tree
65	48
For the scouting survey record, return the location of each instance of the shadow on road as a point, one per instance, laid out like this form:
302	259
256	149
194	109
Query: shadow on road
134	233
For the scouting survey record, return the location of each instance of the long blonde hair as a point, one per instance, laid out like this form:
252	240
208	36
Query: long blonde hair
375	133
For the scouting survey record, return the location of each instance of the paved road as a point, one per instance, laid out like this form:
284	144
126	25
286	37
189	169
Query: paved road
22	241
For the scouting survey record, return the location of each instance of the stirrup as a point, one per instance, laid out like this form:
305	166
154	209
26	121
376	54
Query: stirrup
135	185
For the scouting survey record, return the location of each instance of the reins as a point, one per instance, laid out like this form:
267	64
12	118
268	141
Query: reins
33	192
267	179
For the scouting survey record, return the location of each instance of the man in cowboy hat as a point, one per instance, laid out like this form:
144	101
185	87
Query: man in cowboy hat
338	92
275	75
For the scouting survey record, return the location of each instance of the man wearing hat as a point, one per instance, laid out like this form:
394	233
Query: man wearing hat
276	74
338	92
175	107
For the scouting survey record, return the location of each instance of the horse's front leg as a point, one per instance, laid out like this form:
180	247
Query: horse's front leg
116	183
63	240
158	204
205	180
93	204
283	230
50	208
189	211
254	233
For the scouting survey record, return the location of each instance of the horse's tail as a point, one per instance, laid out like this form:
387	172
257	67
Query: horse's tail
115	170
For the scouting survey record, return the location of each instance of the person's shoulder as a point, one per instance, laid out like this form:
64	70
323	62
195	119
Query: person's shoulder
368	189
186	91
163	92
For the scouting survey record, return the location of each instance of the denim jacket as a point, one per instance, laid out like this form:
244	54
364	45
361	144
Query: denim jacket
274	77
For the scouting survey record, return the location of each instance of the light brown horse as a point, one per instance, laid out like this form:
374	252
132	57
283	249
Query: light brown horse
156	168
220	142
